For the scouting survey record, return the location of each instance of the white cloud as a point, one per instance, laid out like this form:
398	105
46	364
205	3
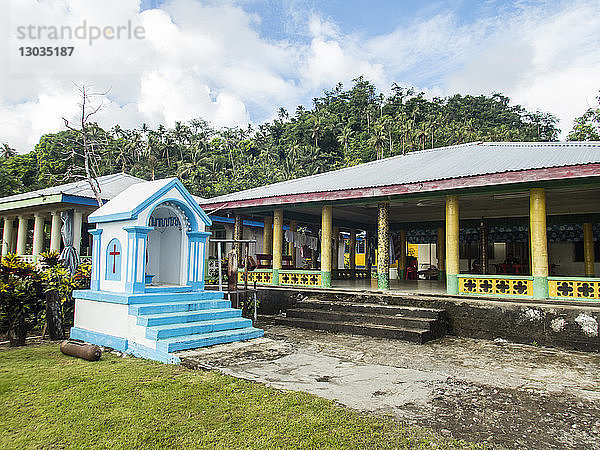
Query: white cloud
543	59
208	59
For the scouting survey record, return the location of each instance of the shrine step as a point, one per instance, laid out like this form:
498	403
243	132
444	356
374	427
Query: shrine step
179	306
419	336
207	339
151	320
200	327
164	297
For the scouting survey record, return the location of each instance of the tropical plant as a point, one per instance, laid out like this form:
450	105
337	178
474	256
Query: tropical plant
20	298
58	286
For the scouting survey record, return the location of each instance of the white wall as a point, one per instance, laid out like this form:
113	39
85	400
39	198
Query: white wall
563	254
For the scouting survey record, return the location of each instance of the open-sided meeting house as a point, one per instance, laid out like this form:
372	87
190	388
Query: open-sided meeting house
506	220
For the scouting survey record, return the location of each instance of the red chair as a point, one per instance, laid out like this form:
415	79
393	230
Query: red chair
411	270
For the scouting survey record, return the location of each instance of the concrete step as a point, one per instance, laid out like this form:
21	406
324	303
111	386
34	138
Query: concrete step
200	327
152	320
394	320
179	306
163	297
153	289
383	331
187	342
373	308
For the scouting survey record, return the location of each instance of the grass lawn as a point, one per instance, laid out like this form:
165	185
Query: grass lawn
48	399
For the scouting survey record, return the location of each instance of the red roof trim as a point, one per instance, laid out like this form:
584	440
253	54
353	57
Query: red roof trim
524	176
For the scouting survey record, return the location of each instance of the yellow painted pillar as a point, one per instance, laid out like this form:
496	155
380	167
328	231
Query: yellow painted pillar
277	243
7	236
267	245
383	245
402	255
352	253
588	249
291	246
22	235
452	240
441	253
38	235
326	237
539	242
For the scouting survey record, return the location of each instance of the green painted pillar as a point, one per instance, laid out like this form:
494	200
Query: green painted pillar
335	255
238	235
588	249
539	242
277	244
326	238
383	245
452	240
402	256
352	253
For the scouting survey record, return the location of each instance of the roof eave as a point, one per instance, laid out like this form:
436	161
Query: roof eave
451	184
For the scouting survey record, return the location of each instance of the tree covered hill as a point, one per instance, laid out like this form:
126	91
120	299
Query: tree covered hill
344	127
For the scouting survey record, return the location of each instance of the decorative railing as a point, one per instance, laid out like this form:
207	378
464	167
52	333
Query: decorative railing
348	274
32	259
260	276
572	288
29	259
299	278
495	285
286	277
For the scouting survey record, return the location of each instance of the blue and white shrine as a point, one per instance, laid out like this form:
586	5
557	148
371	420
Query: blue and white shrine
147	294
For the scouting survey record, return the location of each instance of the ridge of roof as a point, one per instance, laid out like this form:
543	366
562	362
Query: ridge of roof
64	188
449	165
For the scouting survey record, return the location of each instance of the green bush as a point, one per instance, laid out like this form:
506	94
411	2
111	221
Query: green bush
21	298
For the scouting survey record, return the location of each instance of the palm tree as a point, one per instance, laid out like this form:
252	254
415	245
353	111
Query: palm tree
343	139
316	128
7	151
377	139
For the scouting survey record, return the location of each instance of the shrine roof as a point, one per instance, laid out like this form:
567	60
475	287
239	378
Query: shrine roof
136	198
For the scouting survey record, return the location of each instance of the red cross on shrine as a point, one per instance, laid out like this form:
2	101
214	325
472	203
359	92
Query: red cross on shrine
114	253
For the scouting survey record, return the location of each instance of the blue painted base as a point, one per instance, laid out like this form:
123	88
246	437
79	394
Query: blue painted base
172	321
93	337
123	345
148	297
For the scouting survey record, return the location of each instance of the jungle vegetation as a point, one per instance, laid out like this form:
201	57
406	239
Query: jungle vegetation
344	127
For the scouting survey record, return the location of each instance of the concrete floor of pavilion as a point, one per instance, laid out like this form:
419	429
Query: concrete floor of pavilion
430	287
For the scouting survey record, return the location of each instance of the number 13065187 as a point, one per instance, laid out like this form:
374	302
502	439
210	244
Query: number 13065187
46	51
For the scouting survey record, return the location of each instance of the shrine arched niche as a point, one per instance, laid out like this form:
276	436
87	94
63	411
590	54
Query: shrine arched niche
166	254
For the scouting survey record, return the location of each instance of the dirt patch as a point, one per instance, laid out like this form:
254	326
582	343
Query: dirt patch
510	395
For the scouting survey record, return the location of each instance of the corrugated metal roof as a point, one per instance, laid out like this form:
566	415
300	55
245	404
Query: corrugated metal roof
110	185
457	161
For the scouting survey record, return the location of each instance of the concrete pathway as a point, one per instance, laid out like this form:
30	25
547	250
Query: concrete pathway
506	394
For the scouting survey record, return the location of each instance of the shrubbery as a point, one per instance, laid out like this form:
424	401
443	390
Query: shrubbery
32	296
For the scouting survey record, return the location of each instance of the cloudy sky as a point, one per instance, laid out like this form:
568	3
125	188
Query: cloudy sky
237	62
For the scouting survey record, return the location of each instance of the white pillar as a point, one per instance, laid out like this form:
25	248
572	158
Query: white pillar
22	235
77	224
38	235
7	237
55	236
